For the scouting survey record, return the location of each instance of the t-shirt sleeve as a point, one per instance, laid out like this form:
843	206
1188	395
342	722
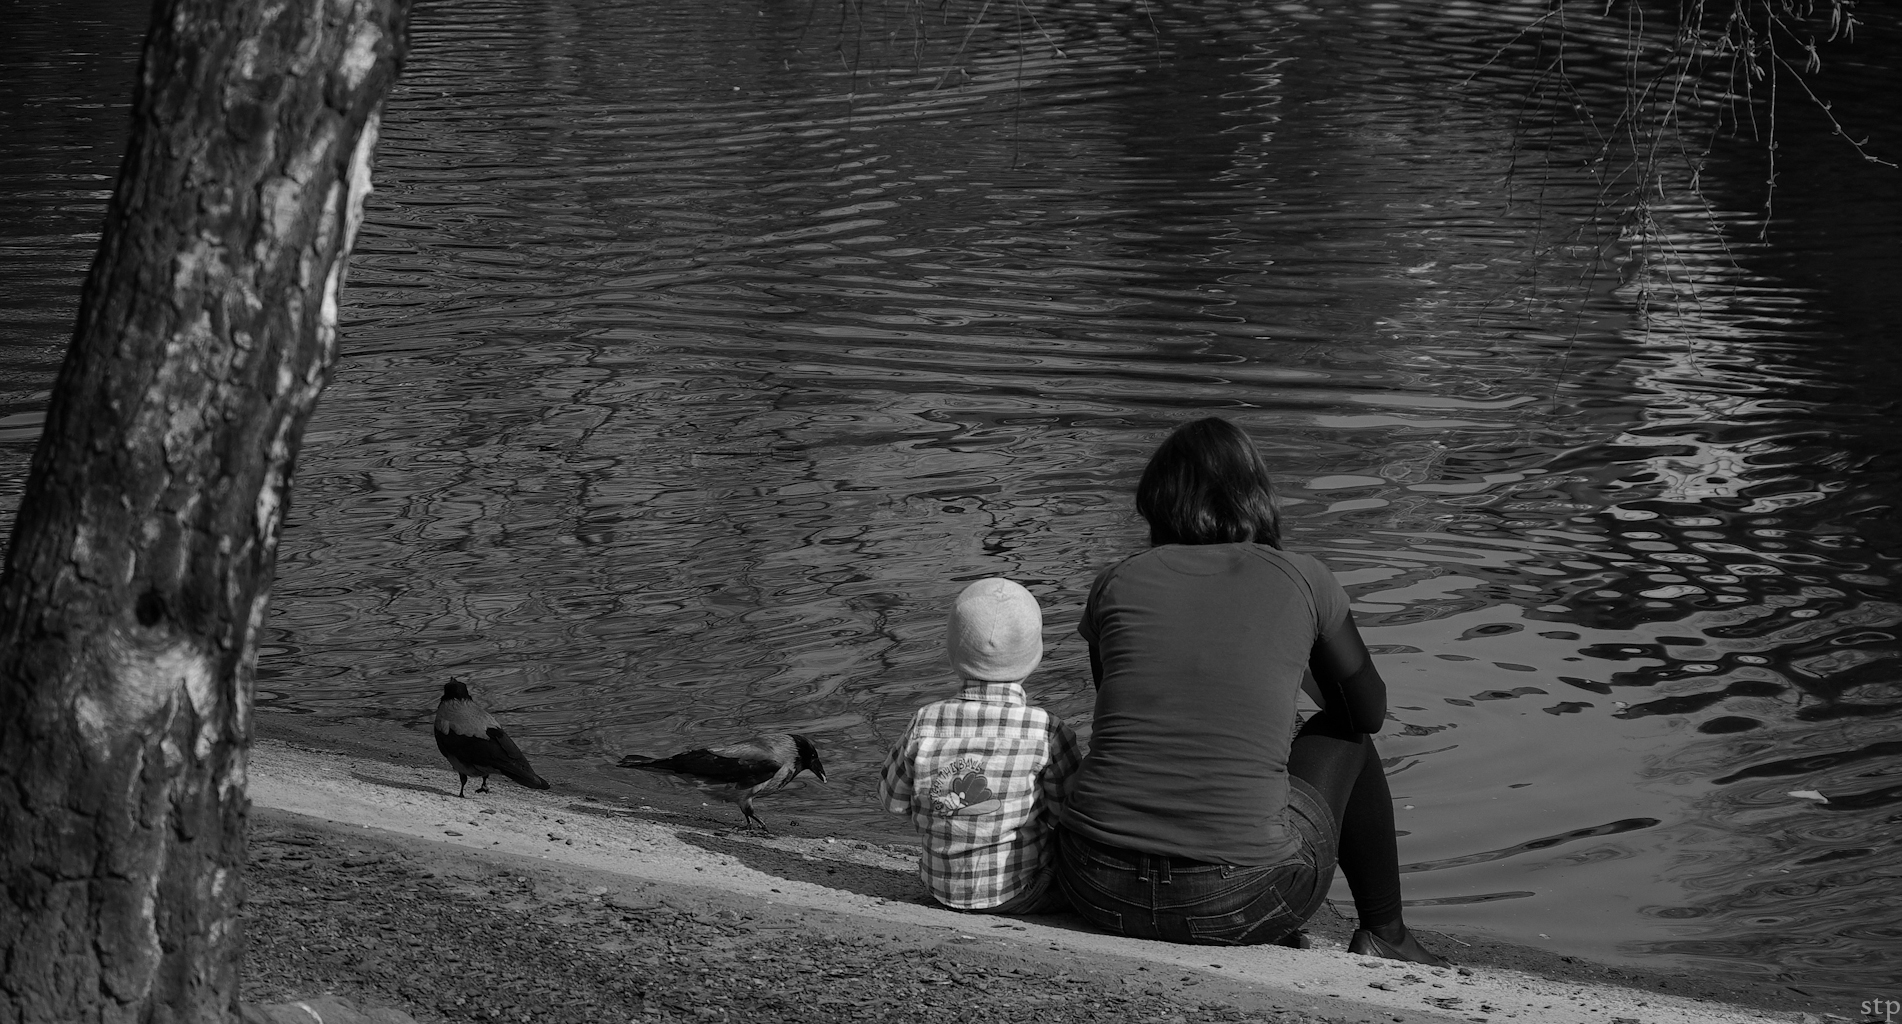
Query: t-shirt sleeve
1330	598
1087	625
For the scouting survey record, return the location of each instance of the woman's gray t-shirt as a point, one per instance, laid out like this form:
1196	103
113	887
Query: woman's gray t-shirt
1202	648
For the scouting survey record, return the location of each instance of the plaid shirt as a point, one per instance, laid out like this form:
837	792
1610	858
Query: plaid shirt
982	776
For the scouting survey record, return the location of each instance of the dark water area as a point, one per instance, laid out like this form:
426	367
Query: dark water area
696	355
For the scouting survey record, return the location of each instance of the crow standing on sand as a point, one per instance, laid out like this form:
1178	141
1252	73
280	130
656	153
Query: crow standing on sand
749	767
475	744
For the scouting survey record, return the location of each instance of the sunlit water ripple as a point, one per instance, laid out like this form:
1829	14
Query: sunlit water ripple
694	360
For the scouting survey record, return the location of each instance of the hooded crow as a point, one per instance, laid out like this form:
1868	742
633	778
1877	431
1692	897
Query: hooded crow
475	744
748	768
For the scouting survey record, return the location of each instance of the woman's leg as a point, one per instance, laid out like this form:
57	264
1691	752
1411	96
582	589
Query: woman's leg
1343	766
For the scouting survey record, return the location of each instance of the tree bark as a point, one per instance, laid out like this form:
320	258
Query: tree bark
141	561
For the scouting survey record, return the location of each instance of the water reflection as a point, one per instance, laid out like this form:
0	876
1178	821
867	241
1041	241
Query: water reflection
695	362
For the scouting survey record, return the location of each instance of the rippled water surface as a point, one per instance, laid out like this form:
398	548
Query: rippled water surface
696	354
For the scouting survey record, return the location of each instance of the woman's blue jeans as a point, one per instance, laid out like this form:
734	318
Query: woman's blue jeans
1150	896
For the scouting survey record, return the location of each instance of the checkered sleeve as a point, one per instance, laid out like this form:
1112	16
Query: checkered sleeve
895	782
1054	780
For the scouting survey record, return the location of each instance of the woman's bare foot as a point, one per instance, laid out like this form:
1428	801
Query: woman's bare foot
1407	948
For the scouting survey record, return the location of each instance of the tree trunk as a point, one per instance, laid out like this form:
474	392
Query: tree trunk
141	560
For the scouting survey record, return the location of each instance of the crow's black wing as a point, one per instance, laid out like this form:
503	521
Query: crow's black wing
514	763
494	751
709	766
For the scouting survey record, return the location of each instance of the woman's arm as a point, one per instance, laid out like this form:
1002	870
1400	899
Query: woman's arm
1347	677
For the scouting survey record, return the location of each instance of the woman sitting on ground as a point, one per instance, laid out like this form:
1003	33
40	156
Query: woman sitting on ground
1200	815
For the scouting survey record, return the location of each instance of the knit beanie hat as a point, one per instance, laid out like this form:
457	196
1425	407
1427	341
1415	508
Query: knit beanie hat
996	632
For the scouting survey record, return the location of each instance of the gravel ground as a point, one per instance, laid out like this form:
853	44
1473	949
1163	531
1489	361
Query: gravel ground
444	938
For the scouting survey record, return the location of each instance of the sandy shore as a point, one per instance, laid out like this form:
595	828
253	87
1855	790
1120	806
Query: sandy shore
370	878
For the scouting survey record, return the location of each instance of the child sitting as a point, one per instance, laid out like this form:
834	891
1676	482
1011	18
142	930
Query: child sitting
982	774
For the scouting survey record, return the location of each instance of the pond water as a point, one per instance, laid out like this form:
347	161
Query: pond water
697	354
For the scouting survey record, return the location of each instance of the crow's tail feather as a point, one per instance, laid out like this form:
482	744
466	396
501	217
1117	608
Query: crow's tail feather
524	775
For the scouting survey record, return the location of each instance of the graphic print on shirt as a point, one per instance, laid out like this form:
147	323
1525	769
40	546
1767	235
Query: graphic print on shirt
959	789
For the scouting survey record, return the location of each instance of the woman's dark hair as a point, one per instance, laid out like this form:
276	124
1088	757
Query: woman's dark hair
1207	484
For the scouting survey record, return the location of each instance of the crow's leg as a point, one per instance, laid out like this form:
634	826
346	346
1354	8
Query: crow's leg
484	788
464	790
752	820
